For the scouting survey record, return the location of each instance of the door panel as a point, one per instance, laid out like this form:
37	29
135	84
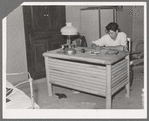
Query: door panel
57	13
37	64
40	18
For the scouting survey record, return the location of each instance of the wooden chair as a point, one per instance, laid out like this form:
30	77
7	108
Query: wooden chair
129	44
80	41
135	57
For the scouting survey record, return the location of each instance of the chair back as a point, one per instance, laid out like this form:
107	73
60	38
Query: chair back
80	41
128	44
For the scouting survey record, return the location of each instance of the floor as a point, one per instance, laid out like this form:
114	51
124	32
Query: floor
86	101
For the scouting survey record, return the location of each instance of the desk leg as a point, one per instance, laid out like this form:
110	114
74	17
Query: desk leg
108	88
127	87
47	76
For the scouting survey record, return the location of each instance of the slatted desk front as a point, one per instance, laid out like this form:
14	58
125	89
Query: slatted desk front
96	74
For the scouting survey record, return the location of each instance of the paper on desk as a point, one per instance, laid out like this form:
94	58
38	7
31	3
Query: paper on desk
112	52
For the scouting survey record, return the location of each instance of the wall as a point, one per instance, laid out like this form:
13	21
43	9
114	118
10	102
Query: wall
16	52
125	20
73	15
130	20
138	22
138	25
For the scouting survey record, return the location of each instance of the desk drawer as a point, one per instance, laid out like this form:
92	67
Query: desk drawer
80	76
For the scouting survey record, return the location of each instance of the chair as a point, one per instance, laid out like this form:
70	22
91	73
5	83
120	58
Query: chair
80	41
129	48
136	57
128	44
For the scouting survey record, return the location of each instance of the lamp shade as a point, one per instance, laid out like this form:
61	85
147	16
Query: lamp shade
69	29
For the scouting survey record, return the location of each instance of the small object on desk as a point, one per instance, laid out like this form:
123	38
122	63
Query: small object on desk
73	46
61	95
64	47
90	52
98	48
82	50
103	47
70	51
94	53
112	52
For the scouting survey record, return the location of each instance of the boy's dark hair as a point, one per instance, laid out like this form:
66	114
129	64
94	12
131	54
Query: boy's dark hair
112	26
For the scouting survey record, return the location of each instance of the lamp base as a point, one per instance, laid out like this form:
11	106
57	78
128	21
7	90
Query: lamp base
70	51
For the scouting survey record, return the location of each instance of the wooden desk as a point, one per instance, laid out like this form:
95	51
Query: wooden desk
96	74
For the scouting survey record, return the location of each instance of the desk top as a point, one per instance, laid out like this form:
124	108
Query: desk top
101	58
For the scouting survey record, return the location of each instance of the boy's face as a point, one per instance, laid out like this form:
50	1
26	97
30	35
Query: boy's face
113	34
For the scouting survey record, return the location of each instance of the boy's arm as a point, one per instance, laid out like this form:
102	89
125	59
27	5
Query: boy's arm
119	47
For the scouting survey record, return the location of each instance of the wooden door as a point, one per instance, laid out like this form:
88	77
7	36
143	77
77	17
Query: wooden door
42	33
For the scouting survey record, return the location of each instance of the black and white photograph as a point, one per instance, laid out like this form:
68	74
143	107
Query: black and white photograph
75	60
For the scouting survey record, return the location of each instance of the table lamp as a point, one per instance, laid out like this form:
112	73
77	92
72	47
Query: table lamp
69	30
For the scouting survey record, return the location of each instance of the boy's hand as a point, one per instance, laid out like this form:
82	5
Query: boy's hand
93	46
